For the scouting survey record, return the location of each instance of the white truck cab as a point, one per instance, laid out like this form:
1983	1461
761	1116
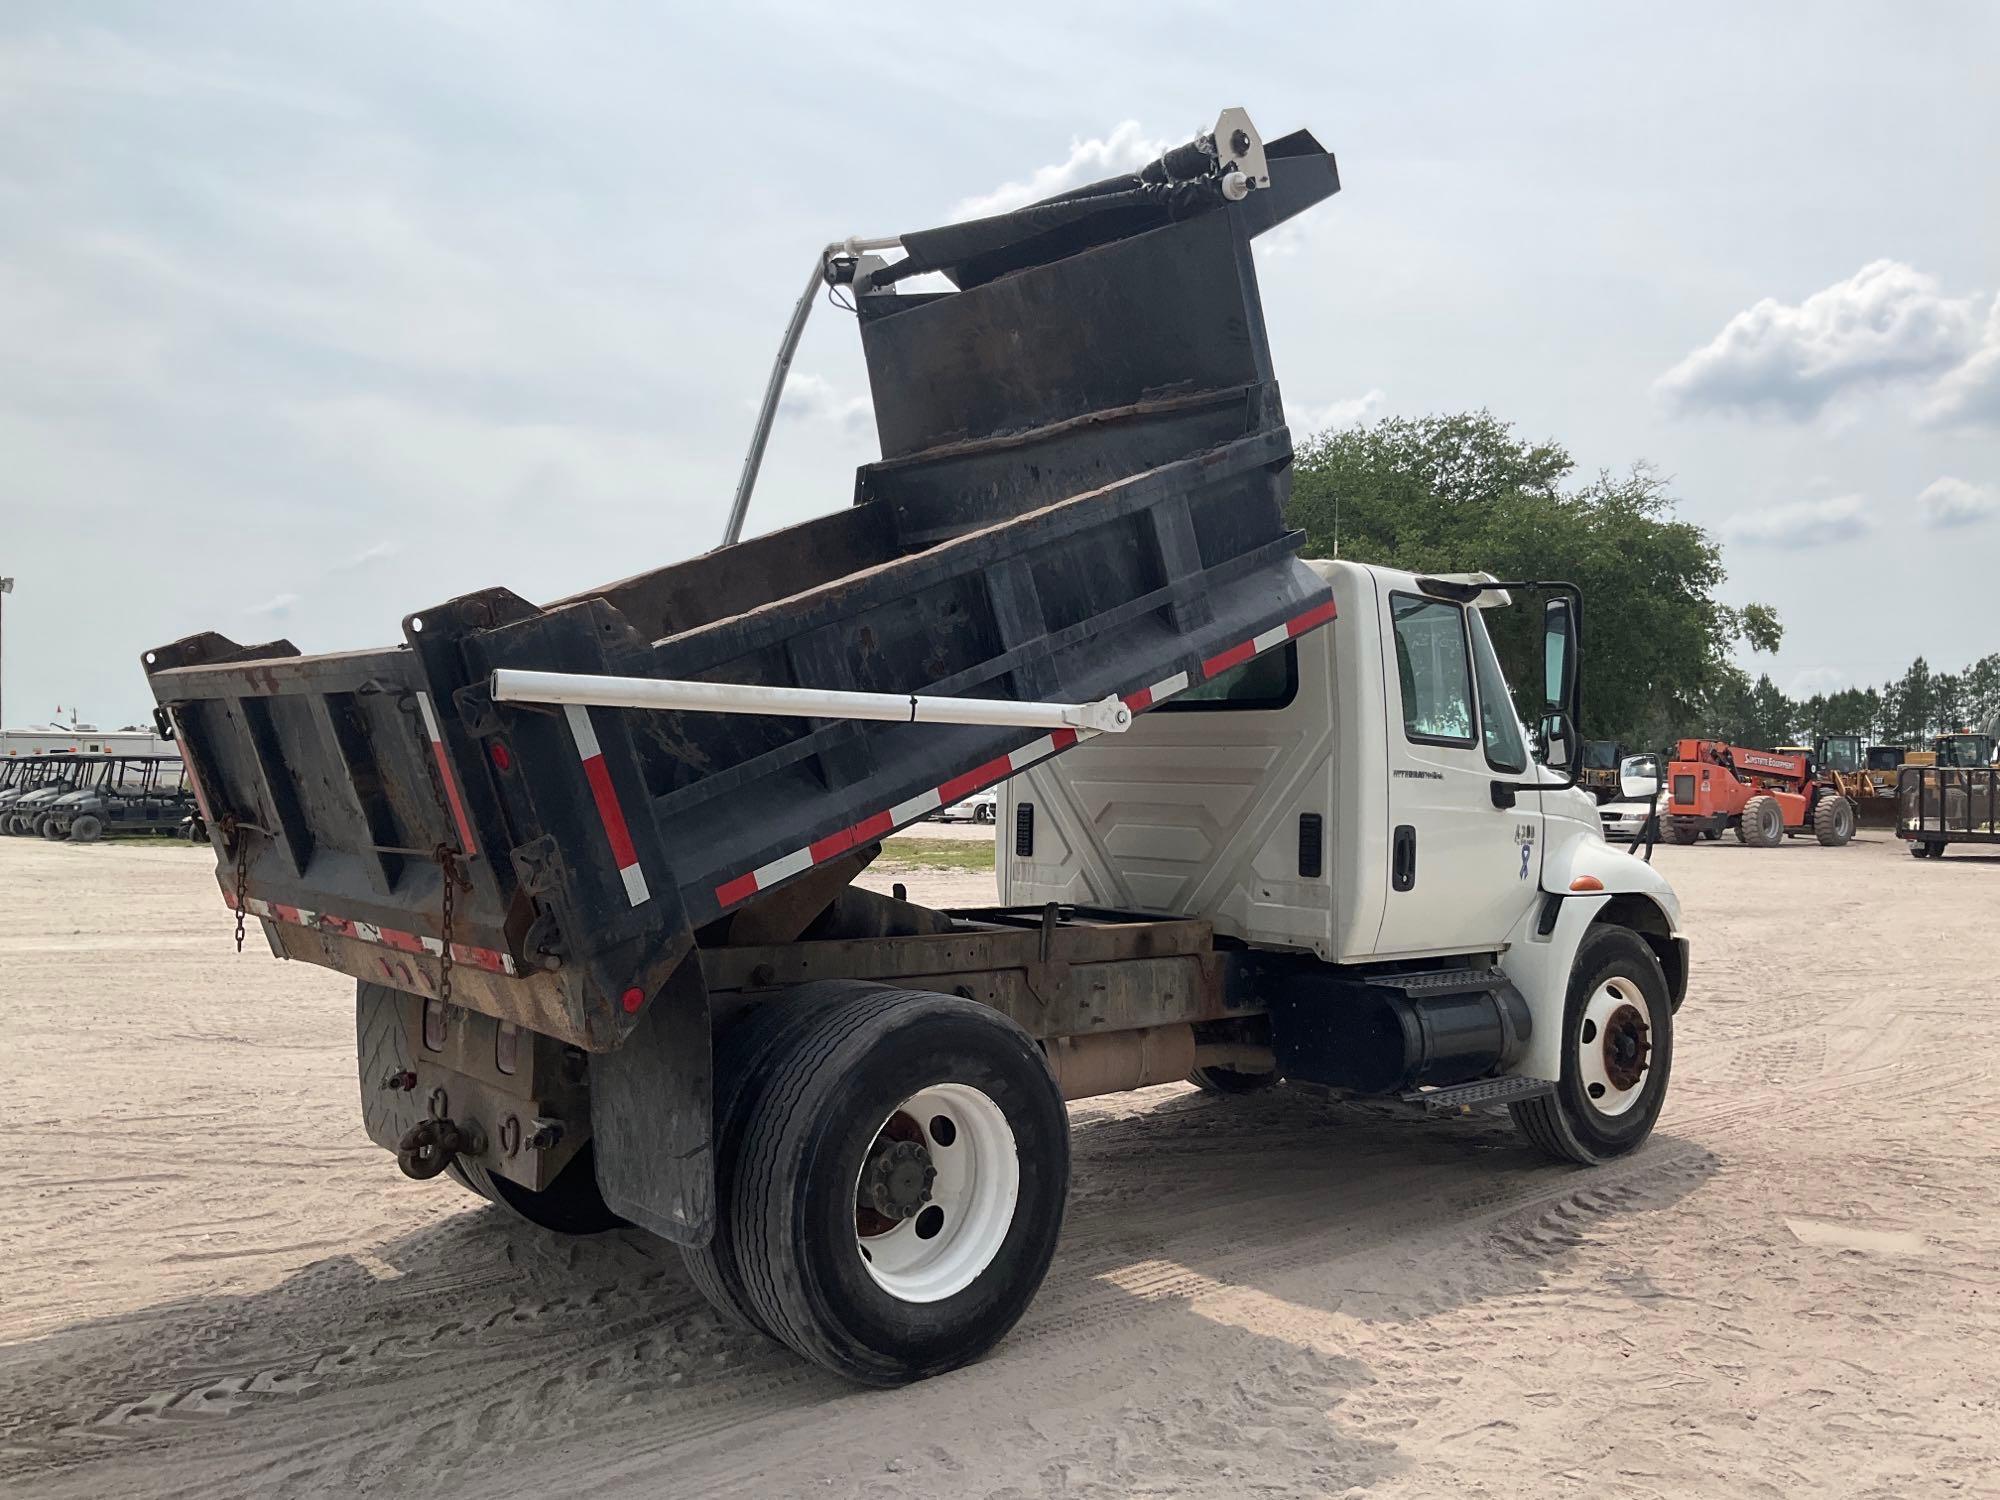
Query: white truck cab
1367	795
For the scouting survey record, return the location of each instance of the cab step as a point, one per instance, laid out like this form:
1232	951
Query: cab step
1464	1098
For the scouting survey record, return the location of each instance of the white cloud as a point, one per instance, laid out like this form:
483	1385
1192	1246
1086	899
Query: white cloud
1801	524
1951	502
1970	394
813	398
1126	149
1886	322
1307	420
276	607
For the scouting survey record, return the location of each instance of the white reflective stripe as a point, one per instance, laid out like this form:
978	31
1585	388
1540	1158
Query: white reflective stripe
916	807
430	718
1277	635
635	884
579	727
368	932
783	869
1167	687
1031	752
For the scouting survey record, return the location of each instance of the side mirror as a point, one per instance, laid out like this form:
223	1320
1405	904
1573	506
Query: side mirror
1639	778
1559	655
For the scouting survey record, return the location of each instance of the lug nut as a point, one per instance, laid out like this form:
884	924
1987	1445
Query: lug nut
402	1081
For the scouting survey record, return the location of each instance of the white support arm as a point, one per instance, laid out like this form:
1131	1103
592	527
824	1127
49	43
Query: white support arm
509	685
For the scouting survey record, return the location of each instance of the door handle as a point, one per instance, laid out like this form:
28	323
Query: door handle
1403	861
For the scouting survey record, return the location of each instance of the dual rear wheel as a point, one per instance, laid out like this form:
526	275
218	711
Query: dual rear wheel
891	1170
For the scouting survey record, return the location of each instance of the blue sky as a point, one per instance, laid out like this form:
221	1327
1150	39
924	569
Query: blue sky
313	316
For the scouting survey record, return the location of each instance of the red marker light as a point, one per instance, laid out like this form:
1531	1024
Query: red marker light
503	759
634	998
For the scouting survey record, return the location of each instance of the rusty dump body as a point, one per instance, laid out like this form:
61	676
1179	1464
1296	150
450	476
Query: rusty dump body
1081	494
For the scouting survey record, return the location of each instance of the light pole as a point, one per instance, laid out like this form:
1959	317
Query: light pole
6	588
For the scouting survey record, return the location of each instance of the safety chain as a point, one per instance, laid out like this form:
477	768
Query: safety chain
450	862
242	876
447	860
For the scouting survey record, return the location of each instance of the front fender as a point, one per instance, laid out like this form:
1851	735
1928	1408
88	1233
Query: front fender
1541	950
1578	859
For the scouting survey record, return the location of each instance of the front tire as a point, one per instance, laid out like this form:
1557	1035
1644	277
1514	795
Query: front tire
1833	821
901	1186
1618	1053
85	828
984	814
1762	824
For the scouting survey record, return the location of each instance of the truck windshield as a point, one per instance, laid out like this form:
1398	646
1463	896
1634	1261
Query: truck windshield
1965	750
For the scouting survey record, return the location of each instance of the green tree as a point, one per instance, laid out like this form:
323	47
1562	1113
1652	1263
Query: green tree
1464	492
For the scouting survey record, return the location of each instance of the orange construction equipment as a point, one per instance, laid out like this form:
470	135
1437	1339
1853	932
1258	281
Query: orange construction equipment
1763	794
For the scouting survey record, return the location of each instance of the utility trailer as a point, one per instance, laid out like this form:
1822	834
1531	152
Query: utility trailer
592	864
1939	805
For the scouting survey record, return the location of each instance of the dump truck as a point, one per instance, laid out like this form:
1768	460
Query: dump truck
592	864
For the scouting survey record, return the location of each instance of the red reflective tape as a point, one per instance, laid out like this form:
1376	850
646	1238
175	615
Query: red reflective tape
1235	656
451	796
338	925
609	812
1140	701
1318	615
962	786
742	888
285	913
1062	739
402	942
478	958
865	831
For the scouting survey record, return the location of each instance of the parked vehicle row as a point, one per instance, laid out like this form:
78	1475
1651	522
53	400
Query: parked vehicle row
87	797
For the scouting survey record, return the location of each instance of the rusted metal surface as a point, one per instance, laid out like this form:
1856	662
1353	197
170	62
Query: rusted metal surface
1113	1062
1054	979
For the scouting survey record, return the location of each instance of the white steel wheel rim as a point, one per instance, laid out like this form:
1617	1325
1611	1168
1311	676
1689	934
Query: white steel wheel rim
1616	1013
975	1191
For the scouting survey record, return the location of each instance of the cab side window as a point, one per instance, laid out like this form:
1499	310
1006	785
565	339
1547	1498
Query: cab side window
1434	670
1501	730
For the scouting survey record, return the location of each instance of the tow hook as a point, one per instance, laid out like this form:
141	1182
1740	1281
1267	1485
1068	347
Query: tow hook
428	1147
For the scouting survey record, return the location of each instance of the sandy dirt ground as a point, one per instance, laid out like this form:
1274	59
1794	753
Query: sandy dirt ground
211	1285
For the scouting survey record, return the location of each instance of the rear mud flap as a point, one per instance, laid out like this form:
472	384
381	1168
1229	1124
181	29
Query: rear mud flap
650	1108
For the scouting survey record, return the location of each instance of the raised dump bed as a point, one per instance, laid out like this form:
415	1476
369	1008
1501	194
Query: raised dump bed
1081	495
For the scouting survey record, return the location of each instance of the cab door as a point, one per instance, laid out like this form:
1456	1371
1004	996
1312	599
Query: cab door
1462	867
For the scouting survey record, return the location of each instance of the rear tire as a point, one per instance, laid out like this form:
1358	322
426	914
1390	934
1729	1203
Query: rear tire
571	1204
1617	1057
891	1293
743	1059
52	830
1833	820
984	814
